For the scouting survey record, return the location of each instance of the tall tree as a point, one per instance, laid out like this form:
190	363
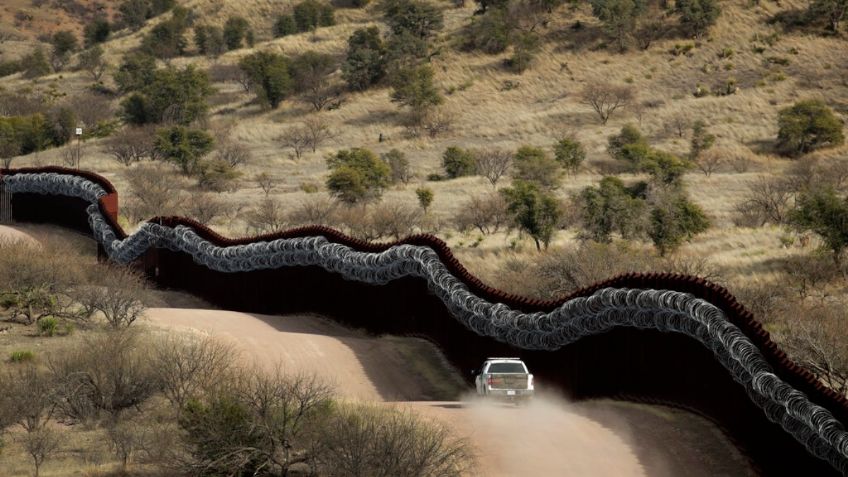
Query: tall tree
534	211
619	18
269	74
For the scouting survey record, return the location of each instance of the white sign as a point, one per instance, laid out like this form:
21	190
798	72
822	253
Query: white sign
79	131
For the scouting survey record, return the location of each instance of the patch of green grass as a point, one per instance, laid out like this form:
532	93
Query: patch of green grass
21	356
48	326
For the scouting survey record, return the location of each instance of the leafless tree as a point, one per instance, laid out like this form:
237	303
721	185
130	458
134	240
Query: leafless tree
282	413
126	438
364	439
437	122
816	340
233	153
679	123
117	295
153	191
71	156
399	166
267	216
40	445
37	280
104	373
318	132
486	213
709	162
132	145
265	182
606	98
205	207
28	398
297	138
190	365
394	219
493	164
768	199
314	211
91	108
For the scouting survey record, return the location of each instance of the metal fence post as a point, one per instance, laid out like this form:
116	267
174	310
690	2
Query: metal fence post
5	204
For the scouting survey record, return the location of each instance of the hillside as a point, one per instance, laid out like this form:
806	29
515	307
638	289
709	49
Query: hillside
753	65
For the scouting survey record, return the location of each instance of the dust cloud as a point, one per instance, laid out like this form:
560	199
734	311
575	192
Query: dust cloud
546	437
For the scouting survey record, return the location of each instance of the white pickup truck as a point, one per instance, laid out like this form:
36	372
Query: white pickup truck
506	378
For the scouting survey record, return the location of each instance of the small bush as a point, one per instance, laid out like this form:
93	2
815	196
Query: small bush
48	326
21	356
807	126
458	162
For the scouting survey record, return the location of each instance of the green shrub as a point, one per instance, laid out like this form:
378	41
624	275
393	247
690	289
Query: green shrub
310	14
235	32
167	39
184	146
807	126
458	162
570	154
357	175
21	356
365	63
48	326
285	25
534	165
10	67
270	74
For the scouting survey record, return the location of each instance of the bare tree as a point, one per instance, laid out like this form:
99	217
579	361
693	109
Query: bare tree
278	416
363	439
394	219
125	438
298	139
37	280
768	199
606	98
487	213
118	295
104	373
40	445
153	191
91	108
28	398
318	132
816	340
233	153
493	164
133	145
265	182
71	156
314	211
679	123
709	162
267	216
190	365
205	207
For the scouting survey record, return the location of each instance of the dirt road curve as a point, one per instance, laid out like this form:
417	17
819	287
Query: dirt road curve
548	438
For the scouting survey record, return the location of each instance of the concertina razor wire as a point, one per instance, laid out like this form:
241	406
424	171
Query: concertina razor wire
663	310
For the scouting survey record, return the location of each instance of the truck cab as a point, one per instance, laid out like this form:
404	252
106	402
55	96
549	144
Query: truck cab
504	378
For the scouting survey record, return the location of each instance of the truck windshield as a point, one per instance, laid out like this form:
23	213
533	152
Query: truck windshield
496	368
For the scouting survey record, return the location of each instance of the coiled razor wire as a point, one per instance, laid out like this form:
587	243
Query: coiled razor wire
663	310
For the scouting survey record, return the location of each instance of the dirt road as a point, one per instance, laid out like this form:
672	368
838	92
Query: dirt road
550	437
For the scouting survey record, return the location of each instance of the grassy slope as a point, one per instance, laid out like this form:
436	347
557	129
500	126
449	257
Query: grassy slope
544	106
